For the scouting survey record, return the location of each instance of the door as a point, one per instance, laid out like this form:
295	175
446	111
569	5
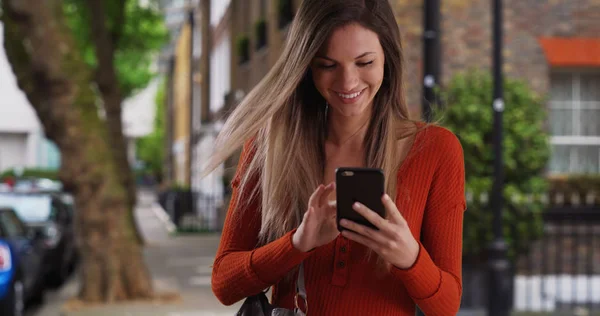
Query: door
29	254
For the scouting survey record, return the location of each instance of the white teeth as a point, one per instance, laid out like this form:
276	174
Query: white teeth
350	96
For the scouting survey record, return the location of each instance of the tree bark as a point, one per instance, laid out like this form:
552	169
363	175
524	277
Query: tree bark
57	83
105	41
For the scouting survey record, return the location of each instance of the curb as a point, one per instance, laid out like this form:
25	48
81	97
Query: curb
163	217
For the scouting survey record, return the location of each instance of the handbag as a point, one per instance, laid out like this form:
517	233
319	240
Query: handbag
258	305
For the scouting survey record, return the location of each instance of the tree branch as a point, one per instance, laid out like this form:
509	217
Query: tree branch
104	47
108	84
37	66
117	30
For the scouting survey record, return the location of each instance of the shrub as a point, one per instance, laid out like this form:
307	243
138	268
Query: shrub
469	115
32	173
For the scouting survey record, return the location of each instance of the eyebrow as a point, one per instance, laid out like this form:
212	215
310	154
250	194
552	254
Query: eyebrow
357	57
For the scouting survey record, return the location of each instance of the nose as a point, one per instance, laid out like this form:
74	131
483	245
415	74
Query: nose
347	79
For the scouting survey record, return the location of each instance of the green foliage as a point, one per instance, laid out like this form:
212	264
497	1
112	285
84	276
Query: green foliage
260	31
141	34
150	149
243	48
469	115
32	173
585	187
178	187
583	183
286	12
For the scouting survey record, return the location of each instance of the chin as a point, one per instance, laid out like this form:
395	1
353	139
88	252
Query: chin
350	110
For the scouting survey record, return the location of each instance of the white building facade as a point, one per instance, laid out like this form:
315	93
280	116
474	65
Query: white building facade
211	189
22	141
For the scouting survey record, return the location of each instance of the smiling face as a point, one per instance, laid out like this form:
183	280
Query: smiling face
348	70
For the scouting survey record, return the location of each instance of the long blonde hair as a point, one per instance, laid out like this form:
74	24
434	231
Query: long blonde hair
286	118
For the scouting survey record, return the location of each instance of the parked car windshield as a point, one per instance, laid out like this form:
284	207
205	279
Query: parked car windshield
30	208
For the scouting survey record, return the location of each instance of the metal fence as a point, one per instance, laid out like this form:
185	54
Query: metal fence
561	272
194	211
558	273
554	273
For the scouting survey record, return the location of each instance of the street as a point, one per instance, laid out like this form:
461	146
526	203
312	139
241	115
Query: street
177	263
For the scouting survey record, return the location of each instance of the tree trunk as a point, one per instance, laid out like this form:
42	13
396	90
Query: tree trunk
108	85
58	85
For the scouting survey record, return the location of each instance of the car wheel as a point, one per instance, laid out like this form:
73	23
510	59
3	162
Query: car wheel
19	298
14	304
38	293
58	277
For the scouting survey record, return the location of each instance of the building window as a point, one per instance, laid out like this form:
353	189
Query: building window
574	122
260	26
260	32
286	12
243	48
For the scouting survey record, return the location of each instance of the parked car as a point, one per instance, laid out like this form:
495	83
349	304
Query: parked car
36	185
52	219
21	265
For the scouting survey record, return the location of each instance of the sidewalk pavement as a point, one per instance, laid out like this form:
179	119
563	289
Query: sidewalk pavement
180	263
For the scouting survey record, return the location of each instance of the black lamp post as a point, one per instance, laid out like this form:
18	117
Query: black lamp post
431	63
431	55
499	282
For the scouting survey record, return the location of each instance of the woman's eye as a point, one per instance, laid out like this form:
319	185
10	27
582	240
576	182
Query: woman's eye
326	66
365	64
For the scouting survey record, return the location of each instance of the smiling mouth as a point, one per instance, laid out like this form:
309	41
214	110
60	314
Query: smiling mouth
351	95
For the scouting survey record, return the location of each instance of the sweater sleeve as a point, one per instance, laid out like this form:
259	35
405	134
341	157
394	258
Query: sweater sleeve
240	268
435	280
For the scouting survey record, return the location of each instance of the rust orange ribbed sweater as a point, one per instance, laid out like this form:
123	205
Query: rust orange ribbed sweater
340	280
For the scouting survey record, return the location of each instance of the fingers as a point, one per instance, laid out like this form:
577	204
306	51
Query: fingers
332	204
392	210
325	195
364	231
371	216
360	239
319	197
316	195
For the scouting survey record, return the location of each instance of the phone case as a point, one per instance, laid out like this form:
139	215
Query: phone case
364	185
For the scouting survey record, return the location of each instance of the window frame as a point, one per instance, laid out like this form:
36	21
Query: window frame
575	107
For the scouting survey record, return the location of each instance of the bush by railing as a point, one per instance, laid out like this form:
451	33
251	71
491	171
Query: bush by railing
468	113
31	173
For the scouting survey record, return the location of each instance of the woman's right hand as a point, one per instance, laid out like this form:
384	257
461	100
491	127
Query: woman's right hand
319	225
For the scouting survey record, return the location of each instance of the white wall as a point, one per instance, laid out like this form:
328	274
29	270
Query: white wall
13	150
217	10
210	189
220	81
22	142
139	111
16	114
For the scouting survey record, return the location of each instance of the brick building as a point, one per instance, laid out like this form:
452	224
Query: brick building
553	45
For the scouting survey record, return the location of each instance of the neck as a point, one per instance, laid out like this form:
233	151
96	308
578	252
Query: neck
344	131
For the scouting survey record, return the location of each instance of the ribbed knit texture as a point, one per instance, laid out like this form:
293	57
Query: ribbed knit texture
340	279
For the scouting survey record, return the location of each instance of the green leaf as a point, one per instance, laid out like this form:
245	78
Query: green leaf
468	113
142	35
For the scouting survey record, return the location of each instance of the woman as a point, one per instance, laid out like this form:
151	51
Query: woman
334	99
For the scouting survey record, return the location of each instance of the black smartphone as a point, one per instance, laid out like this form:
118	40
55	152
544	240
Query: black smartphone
364	185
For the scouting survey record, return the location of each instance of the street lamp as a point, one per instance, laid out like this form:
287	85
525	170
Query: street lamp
431	55
499	282
431	62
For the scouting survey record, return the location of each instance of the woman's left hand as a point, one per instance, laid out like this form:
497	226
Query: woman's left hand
393	241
